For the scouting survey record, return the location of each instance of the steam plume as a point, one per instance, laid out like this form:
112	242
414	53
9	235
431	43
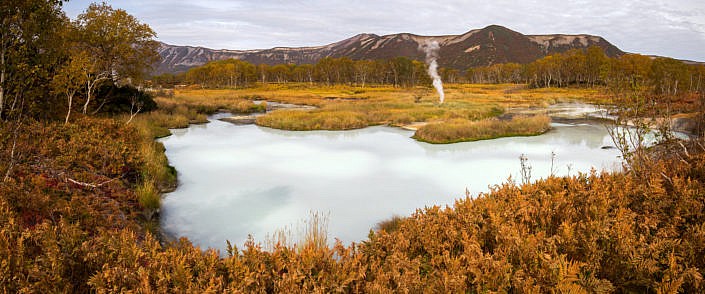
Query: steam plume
431	48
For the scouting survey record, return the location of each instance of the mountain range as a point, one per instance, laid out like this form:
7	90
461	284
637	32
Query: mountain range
480	47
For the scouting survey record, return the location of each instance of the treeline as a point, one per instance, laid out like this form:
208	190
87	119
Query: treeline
588	68
400	72
592	67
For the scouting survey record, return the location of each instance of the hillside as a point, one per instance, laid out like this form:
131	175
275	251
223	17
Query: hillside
481	47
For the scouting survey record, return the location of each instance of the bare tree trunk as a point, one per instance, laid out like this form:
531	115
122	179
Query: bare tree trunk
2	75
134	113
13	157
12	151
90	88
70	96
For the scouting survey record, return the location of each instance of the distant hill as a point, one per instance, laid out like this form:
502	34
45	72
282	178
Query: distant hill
481	47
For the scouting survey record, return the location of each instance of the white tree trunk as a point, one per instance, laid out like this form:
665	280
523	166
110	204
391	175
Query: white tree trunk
2	75
90	88
69	95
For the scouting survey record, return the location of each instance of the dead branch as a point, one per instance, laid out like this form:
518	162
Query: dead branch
93	185
99	107
134	113
685	150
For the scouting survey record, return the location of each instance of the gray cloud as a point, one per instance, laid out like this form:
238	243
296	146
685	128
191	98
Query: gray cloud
674	28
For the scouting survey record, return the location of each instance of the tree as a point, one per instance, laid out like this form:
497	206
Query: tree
31	47
119	46
668	76
280	73
595	59
70	78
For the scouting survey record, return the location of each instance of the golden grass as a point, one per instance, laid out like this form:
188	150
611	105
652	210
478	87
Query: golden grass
461	130
297	120
310	234
501	95
210	101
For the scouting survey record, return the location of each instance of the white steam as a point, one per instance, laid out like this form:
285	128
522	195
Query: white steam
431	48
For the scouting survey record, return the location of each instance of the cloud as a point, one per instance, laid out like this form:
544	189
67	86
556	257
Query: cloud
674	28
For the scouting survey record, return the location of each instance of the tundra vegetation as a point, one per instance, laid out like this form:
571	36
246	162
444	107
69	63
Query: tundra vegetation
79	192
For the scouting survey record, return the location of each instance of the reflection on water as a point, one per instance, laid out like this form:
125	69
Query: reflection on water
240	180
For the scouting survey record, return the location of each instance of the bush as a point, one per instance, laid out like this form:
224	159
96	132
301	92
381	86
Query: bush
120	99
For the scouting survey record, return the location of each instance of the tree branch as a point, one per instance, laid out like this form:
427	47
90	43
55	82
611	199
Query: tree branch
93	185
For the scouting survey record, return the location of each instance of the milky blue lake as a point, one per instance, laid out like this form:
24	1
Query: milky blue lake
240	180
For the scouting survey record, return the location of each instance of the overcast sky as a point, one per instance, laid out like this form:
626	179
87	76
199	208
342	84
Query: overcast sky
673	28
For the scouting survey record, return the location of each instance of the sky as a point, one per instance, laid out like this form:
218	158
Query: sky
673	28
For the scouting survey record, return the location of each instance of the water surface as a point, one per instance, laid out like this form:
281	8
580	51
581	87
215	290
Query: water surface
239	180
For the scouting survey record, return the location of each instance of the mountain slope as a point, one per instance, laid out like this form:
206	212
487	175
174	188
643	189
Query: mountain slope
482	47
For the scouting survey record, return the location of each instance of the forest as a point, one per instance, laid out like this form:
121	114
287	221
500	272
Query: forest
81	178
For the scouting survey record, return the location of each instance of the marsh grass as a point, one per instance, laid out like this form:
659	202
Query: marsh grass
297	120
211	101
148	196
462	130
310	234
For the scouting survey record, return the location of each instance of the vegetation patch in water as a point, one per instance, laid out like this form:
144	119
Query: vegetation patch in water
462	130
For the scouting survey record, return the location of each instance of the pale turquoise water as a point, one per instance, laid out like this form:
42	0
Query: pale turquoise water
240	180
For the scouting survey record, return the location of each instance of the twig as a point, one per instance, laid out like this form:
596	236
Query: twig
92	185
134	113
667	178
99	107
685	150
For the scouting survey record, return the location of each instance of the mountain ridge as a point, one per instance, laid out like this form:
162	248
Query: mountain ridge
477	47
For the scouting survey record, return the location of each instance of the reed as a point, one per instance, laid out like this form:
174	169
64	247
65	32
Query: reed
310	234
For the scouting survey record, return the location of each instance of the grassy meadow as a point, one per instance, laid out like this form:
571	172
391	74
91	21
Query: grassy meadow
348	107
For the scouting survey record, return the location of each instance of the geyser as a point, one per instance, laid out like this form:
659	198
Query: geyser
431	49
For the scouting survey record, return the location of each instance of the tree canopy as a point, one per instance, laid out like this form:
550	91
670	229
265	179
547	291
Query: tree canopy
40	50
118	43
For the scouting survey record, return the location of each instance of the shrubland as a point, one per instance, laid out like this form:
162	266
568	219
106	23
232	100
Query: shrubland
78	201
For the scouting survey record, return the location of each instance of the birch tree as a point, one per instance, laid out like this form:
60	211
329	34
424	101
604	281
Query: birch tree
119	47
70	79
